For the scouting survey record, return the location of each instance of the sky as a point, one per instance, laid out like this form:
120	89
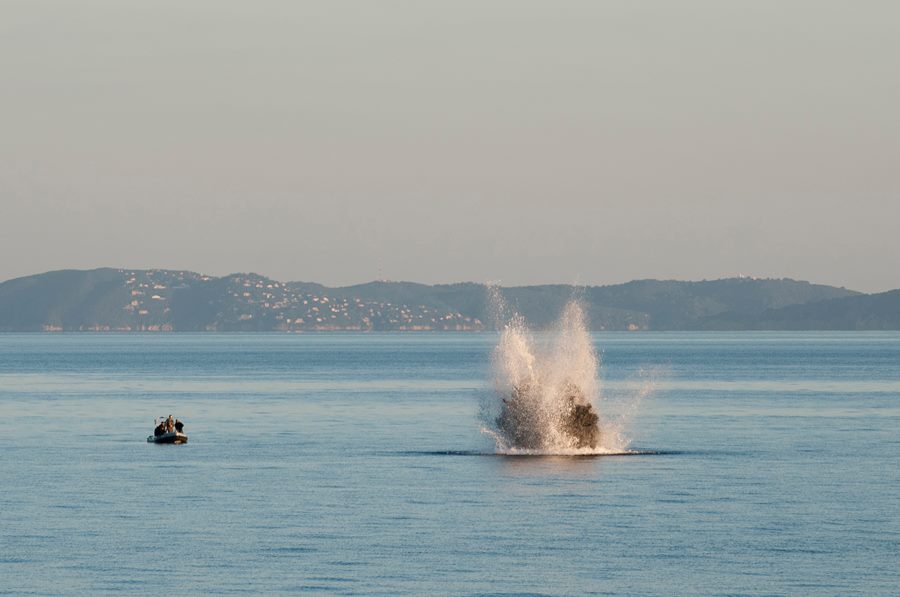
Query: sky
516	142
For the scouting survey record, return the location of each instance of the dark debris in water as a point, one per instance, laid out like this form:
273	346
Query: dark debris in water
525	425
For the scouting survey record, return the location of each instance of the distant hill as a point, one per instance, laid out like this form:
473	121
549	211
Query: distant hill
860	312
166	300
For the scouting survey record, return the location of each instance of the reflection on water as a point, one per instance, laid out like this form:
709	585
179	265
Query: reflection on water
543	468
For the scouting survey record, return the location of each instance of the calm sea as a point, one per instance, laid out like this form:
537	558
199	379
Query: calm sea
769	463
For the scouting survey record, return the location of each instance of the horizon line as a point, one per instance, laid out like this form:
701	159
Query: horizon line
458	282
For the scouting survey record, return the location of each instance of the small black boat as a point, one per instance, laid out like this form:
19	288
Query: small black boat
171	437
168	430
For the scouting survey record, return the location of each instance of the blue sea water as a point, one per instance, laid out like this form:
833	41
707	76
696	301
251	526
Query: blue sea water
354	465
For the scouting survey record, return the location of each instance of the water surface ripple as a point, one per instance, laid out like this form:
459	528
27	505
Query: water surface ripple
763	463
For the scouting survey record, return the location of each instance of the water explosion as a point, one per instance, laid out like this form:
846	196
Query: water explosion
547	391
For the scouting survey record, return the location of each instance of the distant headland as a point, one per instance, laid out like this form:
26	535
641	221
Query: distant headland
156	300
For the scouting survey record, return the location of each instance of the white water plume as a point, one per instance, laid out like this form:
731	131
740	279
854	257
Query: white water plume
547	392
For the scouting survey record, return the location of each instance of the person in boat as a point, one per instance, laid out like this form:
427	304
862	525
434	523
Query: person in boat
160	428
170	424
179	426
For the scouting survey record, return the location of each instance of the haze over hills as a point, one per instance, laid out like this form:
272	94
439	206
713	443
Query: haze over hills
164	300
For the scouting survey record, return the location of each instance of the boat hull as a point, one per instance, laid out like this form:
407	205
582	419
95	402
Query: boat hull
172	437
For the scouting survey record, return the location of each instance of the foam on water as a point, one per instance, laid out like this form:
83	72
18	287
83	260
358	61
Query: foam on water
540	374
505	447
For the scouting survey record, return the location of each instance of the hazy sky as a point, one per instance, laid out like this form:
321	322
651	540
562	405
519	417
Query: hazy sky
521	142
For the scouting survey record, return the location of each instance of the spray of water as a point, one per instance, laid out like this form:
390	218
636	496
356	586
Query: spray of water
547	397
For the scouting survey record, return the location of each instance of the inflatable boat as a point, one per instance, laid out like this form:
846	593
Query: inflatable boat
171	437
